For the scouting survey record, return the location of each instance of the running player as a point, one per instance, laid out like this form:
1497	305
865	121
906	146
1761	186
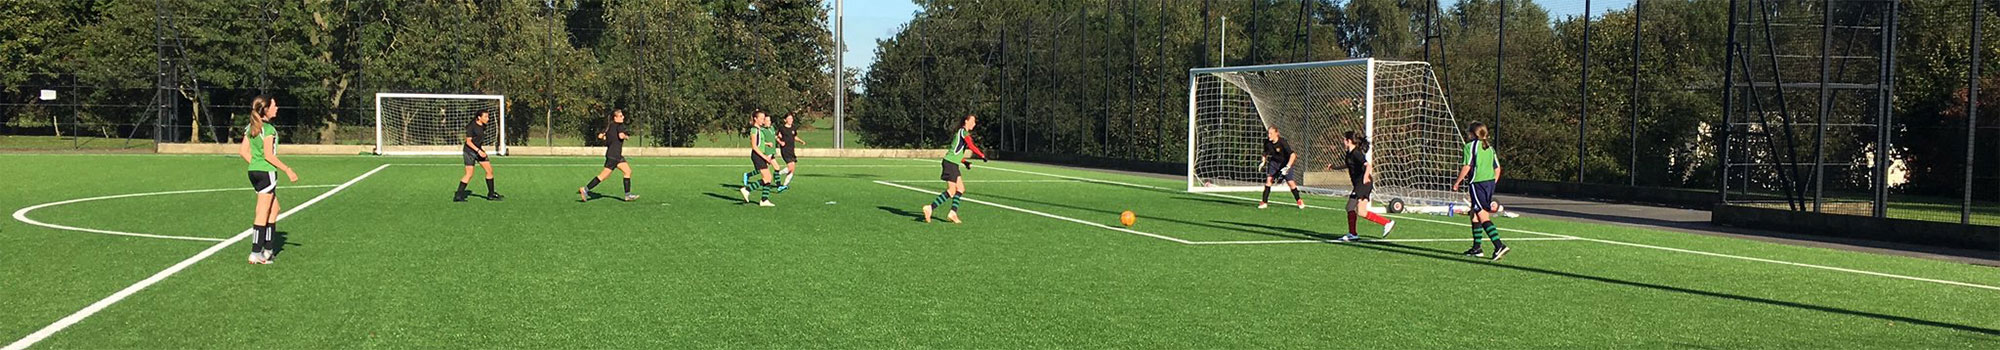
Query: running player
1361	173
475	154
614	137
1278	161
260	149
954	187
788	144
763	153
1484	168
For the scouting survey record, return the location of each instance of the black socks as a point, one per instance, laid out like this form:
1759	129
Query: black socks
256	239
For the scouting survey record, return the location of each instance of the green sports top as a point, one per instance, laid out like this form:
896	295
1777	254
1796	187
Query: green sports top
959	147
1484	163
257	161
767	140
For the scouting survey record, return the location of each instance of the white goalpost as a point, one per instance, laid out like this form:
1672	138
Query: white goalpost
434	124
1400	105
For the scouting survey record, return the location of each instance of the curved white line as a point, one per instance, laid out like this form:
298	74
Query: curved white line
22	215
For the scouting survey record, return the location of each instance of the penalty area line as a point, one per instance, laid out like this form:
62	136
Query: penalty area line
983	181
1605	241
1047	215
100	305
601	165
1377	241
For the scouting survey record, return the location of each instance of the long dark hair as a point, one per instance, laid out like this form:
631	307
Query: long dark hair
1360	140
613	118
1485	137
257	107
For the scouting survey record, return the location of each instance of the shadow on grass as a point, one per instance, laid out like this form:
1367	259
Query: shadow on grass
1213	200
595	196
914	216
737	201
1308	234
280	239
1445	255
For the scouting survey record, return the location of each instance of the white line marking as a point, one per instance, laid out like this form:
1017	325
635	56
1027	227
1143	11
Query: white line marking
100	305
1629	244
22	215
601	165
1392	240
1052	216
985	181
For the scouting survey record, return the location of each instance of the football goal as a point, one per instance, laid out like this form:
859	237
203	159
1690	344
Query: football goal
1400	106
435	124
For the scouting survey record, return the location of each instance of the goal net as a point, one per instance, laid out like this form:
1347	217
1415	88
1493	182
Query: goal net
434	124
1416	144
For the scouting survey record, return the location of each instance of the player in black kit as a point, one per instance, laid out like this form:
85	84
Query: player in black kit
788	144
614	157
475	154
1361	173
1278	161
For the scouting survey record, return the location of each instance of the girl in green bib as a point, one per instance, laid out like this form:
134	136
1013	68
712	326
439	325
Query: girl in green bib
1482	166
260	149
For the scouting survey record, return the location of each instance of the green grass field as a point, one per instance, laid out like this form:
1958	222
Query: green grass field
380	258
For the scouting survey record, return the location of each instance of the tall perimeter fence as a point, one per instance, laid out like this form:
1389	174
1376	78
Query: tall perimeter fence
1879	108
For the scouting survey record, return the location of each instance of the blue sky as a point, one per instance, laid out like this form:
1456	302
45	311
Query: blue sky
868	21
871	20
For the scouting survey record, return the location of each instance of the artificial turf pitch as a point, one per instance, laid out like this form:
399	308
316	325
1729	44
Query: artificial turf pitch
389	261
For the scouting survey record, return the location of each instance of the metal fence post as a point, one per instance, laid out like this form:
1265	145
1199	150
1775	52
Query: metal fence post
1632	164
1972	114
1825	104
1728	108
1885	122
1583	97
1499	62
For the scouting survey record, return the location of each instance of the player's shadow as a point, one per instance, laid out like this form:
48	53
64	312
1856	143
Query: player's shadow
1211	200
279	240
1309	234
595	196
1453	256
726	197
899	211
1274	231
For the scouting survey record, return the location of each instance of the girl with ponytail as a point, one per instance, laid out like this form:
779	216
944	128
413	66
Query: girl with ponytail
1483	167
260	149
1361	173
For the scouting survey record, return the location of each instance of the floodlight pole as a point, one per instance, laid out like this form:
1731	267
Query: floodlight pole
1499	64
1971	114
1583	97
1632	164
839	75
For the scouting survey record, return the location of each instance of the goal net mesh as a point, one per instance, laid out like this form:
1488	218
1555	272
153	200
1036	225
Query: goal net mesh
1416	143
409	124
